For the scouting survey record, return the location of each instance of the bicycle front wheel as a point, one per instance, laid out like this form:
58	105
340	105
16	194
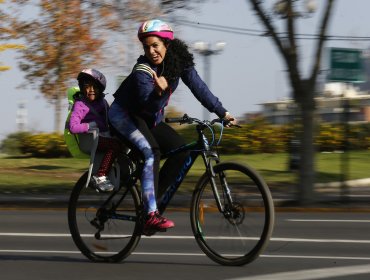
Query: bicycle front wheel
104	226
237	230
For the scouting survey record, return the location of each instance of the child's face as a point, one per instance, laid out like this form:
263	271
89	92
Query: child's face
91	90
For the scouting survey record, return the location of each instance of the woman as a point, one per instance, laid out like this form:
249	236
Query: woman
138	110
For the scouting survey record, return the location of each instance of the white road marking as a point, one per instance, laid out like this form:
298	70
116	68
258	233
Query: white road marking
39	252
182	254
319	240
274	239
316	257
78	252
38	234
313	274
328	221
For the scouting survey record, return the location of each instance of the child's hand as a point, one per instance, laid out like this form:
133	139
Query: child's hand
92	126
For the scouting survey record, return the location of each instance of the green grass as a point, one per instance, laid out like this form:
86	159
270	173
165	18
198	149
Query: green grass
39	175
23	175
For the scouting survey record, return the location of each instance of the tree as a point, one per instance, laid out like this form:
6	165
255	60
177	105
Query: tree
59	42
67	36
6	34
303	88
4	47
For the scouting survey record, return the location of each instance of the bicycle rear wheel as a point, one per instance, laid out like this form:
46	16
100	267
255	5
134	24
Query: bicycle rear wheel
104	226
238	234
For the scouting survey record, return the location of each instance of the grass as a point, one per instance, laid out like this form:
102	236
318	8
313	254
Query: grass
35	175
20	175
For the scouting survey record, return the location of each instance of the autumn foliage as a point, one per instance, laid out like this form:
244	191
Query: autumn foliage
63	38
6	34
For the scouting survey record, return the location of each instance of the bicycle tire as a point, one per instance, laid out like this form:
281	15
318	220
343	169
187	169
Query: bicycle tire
100	233
239	235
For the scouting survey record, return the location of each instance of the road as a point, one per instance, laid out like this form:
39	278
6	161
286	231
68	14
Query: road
35	245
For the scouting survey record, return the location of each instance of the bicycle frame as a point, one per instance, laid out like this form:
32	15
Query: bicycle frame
196	148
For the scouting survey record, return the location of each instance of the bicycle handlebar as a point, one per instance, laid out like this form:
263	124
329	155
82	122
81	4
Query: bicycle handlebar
182	120
185	119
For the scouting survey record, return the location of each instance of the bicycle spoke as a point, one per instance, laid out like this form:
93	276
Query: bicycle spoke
103	225
237	235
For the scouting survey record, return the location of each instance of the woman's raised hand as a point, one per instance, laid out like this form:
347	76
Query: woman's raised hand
160	83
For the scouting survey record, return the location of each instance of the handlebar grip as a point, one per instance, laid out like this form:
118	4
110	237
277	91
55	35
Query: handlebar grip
174	120
229	124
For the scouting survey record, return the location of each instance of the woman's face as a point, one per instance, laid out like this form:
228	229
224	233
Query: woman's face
155	49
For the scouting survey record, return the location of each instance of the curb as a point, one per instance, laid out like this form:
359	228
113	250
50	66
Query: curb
182	203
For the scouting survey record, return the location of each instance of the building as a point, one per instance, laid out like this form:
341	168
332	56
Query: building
338	103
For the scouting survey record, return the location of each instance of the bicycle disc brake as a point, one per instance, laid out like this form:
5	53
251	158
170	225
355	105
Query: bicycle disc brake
234	213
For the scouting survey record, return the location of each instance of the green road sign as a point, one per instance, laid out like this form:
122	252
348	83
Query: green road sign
346	65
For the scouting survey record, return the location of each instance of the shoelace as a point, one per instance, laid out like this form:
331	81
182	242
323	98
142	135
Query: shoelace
156	219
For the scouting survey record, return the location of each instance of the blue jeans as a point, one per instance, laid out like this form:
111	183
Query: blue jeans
125	125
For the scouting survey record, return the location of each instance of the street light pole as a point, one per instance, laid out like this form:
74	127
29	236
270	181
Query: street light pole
207	77
281	8
206	50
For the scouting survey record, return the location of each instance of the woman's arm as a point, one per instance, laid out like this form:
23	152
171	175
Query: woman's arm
201	92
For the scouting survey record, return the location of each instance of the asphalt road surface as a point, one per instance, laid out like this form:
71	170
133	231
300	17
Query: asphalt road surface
36	245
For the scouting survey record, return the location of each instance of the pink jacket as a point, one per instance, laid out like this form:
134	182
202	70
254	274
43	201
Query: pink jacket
81	116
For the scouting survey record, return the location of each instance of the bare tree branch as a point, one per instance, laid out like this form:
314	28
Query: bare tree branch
271	30
320	42
302	89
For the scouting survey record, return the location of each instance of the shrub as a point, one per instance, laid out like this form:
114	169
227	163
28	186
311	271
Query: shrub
11	145
257	136
45	145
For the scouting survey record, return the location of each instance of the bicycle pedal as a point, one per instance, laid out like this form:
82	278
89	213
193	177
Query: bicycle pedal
149	233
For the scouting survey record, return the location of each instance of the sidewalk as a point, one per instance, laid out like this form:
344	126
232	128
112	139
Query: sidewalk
328	197
353	196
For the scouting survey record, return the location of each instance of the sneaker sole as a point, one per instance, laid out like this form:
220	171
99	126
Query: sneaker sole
150	232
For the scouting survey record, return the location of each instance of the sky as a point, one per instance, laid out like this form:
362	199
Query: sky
248	72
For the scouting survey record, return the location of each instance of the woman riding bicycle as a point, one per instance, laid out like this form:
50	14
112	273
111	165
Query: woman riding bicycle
138	109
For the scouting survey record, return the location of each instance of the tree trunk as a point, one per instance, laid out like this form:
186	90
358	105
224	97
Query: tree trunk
307	151
58	114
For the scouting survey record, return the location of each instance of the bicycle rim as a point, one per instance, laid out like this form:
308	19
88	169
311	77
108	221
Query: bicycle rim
239	234
103	232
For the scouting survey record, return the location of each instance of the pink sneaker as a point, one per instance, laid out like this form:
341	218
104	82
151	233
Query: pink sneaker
155	222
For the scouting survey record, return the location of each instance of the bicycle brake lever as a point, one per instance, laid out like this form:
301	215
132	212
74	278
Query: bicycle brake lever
228	123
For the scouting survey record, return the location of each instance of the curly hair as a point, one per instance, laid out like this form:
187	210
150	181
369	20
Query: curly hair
177	59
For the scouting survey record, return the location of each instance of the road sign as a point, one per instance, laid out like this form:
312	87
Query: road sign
346	65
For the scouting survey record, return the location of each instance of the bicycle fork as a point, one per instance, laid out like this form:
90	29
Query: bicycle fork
224	186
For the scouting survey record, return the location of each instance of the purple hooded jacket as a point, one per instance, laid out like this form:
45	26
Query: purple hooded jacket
81	115
137	94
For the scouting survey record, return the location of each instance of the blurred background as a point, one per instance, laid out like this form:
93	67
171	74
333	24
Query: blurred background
295	70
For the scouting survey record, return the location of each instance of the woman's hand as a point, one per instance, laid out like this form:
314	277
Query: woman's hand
230	120
160	83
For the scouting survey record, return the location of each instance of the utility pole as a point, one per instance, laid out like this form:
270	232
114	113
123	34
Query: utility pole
207	50
21	118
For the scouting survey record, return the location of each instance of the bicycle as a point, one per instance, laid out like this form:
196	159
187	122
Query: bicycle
231	212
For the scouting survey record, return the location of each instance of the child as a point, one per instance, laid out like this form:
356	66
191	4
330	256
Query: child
89	112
